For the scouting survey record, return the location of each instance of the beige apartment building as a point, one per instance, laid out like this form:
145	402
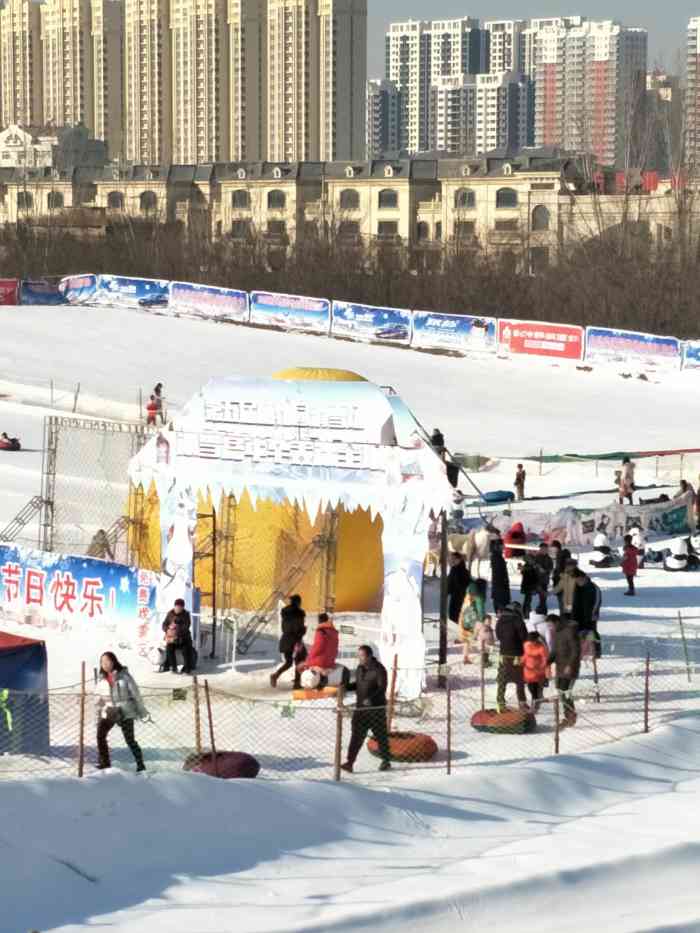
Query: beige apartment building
343	77
20	63
66	53
247	45
107	36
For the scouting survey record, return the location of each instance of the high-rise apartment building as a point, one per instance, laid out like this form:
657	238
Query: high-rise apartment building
420	53
692	97
505	45
247	44
20	58
147	82
199	36
67	63
383	118
501	112
107	36
453	115
343	77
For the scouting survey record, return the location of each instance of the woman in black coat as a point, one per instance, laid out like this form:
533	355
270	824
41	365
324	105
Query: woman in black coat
500	582
293	631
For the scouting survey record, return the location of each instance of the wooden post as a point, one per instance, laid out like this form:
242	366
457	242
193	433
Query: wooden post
682	464
140	404
392	692
442	653
541	458
647	692
556	724
338	735
685	648
449	726
595	678
211	728
596	468
483	683
81	737
75	397
197	718
213	584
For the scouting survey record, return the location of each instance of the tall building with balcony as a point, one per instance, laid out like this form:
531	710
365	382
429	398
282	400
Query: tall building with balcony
501	112
506	50
247	49
67	63
107	36
453	115
199	36
692	97
147	82
383	118
20	63
342	79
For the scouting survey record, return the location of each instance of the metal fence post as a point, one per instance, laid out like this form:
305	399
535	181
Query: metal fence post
197	718
647	692
595	678
556	725
211	728
449	725
483	682
81	738
338	735
685	648
392	692
442	654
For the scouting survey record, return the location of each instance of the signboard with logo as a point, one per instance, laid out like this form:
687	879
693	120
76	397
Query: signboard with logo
40	293
537	338
464	334
367	323
147	294
633	349
691	354
8	291
290	312
208	301
78	289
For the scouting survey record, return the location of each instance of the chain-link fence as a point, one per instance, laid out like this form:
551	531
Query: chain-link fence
458	722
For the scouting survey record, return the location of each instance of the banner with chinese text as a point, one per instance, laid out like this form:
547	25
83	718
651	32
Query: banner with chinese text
536	338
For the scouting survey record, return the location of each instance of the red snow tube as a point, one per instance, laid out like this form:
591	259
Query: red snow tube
10	444
407	746
509	722
228	765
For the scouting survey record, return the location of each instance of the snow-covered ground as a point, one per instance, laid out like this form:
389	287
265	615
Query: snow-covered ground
573	842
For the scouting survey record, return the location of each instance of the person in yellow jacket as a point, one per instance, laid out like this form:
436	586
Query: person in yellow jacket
566	588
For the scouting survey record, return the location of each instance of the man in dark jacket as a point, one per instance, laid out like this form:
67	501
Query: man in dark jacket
511	633
178	635
500	581
291	645
566	653
529	584
370	715
458	579
545	567
586	607
560	557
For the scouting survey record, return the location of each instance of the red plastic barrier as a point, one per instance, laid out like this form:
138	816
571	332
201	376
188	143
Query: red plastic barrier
9	291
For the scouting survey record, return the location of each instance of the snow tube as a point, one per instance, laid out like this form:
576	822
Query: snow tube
11	444
502	495
509	722
307	694
228	765
407	746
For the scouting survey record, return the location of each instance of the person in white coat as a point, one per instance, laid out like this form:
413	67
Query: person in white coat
627	481
640	542
118	703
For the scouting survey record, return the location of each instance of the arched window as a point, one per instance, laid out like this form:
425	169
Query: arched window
540	218
349	200
115	201
276	200
388	198
465	199
240	200
506	197
25	201
54	200
423	231
148	201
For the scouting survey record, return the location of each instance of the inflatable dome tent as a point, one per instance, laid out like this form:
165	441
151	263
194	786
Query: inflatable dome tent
286	462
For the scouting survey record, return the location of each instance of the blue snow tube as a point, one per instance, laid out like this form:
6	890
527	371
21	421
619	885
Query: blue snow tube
495	498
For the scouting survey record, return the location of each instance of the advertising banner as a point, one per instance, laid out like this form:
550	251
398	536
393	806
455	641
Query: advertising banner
290	312
691	354
453	332
367	323
96	601
78	289
40	293
629	348
208	301
8	291
537	338
148	294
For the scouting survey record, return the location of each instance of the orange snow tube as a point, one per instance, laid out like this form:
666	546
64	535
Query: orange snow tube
509	722
407	746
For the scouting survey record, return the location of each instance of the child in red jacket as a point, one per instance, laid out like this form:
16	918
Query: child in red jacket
630	564
151	411
535	667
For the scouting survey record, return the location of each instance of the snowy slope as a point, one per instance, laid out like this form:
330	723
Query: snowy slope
607	841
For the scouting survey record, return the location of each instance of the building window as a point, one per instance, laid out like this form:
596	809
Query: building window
276	200
276	228
464	229
240	200
540	219
148	202
349	229
438	230
349	200
465	199
240	229
25	201
506	226
54	200
506	197
115	201
388	199
539	259
387	228
423	231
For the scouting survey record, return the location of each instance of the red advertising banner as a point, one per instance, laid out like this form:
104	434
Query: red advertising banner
536	338
9	291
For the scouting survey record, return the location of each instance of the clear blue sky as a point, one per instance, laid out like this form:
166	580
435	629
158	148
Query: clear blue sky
666	22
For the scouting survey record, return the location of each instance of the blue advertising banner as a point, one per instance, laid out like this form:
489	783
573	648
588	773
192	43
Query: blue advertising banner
629	348
78	289
208	301
40	293
367	323
149	294
691	354
453	332
82	595
290	312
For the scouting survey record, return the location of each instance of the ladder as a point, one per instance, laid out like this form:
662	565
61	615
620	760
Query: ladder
294	575
22	519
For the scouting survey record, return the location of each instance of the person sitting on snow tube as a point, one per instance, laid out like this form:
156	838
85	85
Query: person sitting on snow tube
9	443
324	650
603	551
677	560
513	538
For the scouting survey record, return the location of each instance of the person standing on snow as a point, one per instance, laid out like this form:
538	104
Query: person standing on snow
627	481
520	477
370	714
151	412
323	654
511	633
560	555
629	564
118	703
545	568
160	401
565	589
437	440
535	667
291	644
586	608
500	581
178	635
530	584
567	657
458	579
